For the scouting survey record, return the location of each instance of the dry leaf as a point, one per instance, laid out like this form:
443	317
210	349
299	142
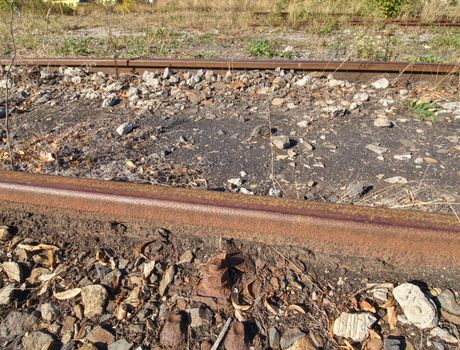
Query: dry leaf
133	298
271	308
51	259
374	334
148	269
139	250
366	306
241	307
67	294
35	248
235	301
392	315
186	258
388	304
167	278
295	308
102	257
347	346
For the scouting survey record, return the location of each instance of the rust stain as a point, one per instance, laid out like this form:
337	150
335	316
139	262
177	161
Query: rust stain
110	64
399	237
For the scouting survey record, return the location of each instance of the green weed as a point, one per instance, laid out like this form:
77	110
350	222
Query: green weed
76	47
262	48
451	41
425	110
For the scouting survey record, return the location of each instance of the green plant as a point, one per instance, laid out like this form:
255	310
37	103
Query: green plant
424	59
448	40
391	8
262	48
76	47
425	110
328	28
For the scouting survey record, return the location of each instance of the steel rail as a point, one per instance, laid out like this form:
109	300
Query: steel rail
241	64
356	20
400	237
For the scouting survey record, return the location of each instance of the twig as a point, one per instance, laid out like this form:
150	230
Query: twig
222	334
7	90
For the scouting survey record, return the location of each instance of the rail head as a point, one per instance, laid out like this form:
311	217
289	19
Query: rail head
403	237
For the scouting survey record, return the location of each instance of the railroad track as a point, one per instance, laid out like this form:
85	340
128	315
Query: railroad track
353	70
356	20
408	238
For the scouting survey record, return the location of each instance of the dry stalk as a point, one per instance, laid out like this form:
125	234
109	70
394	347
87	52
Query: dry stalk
8	79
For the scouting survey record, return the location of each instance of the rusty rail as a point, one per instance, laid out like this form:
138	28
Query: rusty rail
399	237
243	64
357	20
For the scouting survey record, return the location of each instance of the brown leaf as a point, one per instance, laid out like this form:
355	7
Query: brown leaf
167	278
35	248
388	304
294	308
67	294
235	301
366	306
392	315
273	309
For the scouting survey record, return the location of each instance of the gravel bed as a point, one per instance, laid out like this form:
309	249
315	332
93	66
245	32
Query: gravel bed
280	133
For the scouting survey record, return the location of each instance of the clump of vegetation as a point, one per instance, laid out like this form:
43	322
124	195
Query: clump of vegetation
451	41
424	59
262	48
390	8
425	110
76	47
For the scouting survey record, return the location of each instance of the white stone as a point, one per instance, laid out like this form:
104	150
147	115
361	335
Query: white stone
382	83
6	294
37	341
404	156
361	97
281	142
336	83
94	298
13	271
150	79
49	311
396	180
304	81
125	128
418	308
354	326
382	122
444	335
376	149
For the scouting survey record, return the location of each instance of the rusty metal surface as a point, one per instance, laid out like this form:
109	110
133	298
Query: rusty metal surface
402	68
356	20
399	237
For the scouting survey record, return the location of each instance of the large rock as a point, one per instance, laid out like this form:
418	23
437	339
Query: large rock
174	331
14	271
418	308
281	142
354	326
37	341
381	84
100	337
121	344
16	324
94	298
450	309
49	311
6	294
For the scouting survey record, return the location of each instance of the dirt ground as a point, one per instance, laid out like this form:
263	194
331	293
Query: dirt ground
154	283
347	142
